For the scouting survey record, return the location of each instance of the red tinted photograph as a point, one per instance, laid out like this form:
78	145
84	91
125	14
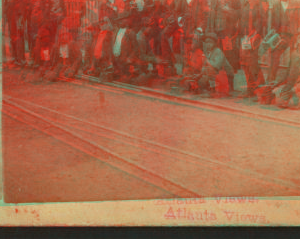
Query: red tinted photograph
107	100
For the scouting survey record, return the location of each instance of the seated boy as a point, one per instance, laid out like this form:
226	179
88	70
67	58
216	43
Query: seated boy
213	62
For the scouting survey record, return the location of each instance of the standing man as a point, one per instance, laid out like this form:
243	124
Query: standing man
186	15
55	13
251	31
224	20
15	15
286	22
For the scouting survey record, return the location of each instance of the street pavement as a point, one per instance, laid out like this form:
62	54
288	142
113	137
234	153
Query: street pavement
81	141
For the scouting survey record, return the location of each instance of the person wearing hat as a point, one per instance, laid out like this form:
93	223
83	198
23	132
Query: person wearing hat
65	57
213	63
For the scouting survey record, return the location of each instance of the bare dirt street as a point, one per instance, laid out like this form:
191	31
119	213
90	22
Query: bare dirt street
76	141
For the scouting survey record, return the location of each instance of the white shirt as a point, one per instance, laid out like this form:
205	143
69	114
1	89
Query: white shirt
118	43
284	5
64	51
189	1
140	4
45	54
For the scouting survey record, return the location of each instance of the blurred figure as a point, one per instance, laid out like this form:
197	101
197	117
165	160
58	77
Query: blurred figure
43	47
102	51
74	17
36	20
41	54
65	58
214	62
85	44
251	31
287	91
125	48
224	18
285	26
180	16
150	31
55	13
15	12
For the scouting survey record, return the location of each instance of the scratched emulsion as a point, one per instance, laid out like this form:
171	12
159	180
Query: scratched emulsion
145	99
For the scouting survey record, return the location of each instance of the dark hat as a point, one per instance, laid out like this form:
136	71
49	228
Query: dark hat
211	35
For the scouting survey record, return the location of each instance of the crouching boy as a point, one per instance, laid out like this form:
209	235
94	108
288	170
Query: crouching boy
213	63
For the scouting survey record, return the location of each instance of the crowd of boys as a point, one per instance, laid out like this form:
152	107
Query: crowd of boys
200	43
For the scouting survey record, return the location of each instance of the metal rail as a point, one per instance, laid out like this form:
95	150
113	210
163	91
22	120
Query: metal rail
63	120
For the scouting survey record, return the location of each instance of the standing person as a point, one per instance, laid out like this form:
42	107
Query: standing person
224	18
35	20
185	15
55	13
285	22
124	47
251	31
74	17
149	31
287	91
15	14
41	50
65	57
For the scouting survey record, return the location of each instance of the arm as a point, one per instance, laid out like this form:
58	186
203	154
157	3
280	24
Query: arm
217	59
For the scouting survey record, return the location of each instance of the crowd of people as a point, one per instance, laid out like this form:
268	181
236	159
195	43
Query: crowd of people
201	43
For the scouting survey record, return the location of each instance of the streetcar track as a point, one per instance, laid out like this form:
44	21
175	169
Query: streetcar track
169	98
100	153
152	146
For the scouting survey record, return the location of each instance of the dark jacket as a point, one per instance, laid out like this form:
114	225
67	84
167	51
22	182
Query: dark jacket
289	20
129	46
195	14
252	14
222	18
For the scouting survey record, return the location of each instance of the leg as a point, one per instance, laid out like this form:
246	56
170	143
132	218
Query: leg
275	60
165	36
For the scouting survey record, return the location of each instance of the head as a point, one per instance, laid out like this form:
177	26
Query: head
197	38
210	41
